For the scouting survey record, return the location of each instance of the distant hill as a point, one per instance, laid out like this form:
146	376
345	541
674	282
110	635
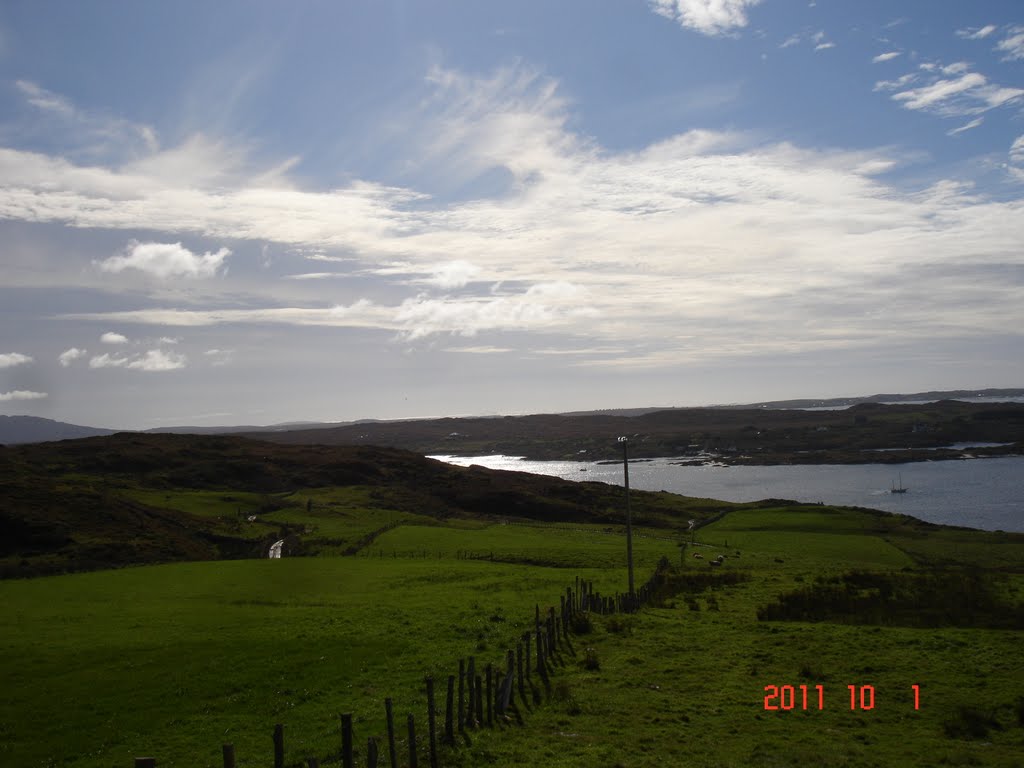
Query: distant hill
33	429
117	500
440	434
737	435
966	395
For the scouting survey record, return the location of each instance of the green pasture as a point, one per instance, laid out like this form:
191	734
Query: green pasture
561	547
329	520
174	660
679	687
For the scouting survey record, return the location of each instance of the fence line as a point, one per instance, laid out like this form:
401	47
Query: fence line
485	700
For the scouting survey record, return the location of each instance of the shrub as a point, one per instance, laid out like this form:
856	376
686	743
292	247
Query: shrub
971	723
581	624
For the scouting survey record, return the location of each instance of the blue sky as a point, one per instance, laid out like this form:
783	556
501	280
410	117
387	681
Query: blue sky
249	213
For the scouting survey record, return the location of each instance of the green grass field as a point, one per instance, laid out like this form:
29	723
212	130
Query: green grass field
174	660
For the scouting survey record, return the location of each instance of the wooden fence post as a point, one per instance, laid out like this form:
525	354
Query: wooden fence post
471	697
479	700
228	750
346	740
432	721
412	742
371	753
145	762
449	725
278	746
462	694
391	733
526	644
519	668
490	696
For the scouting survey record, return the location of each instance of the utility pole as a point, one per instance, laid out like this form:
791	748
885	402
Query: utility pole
624	442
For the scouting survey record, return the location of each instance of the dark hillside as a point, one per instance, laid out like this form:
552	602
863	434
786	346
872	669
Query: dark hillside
751	436
74	505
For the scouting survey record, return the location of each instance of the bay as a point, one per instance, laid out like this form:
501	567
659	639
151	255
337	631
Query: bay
976	493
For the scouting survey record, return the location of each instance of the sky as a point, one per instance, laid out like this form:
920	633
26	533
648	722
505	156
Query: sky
262	212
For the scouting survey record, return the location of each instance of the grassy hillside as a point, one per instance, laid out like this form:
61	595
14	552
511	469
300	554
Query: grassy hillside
396	567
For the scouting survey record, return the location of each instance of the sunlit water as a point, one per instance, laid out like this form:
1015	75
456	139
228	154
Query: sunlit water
978	493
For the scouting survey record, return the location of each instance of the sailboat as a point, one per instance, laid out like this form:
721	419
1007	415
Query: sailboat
898	488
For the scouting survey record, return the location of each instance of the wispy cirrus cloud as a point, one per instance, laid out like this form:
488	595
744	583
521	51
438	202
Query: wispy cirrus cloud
968	126
976	33
883	57
709	17
90	133
951	90
12	359
1012	46
1016	157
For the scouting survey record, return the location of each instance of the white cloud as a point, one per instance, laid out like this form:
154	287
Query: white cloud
11	359
151	360
885	57
824	46
481	350
693	235
108	361
966	126
963	93
169	340
21	394
360	314
1017	150
542	306
453	274
972	33
165	260
113	338
790	41
1016	166
1012	45
314	276
68	356
158	360
709	17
